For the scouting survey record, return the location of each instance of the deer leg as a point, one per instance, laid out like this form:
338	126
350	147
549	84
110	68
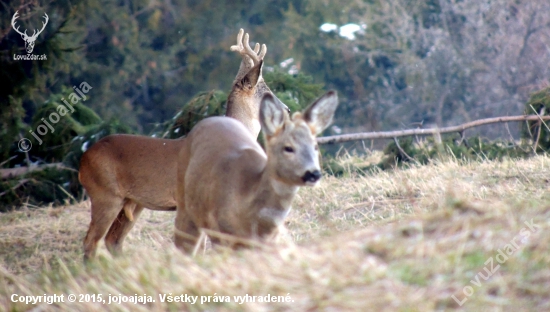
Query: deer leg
186	232
104	212
121	226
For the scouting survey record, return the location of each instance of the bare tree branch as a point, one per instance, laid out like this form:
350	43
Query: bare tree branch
14	172
432	131
19	184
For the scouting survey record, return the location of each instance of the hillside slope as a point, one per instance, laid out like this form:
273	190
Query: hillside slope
402	240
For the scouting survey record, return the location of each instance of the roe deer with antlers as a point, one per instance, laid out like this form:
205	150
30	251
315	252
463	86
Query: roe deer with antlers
228	184
122	174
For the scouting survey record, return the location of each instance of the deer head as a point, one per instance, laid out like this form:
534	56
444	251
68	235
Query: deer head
29	40
290	141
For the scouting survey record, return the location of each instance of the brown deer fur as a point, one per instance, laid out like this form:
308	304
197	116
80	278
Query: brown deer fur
122	174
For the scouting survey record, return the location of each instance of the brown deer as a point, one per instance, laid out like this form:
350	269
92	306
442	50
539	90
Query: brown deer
122	174
228	184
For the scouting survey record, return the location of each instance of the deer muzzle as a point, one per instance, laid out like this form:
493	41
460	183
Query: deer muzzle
311	176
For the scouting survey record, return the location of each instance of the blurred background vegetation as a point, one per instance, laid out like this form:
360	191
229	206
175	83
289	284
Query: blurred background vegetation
395	64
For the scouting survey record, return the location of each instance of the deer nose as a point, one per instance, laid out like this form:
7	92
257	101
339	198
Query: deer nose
311	176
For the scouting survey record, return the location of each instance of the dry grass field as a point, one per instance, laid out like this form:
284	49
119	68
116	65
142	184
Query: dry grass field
402	240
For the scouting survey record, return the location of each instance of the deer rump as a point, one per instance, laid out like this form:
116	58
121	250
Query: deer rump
130	165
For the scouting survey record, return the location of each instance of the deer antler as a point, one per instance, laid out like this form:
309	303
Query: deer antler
244	49
16	16
43	26
250	57
34	34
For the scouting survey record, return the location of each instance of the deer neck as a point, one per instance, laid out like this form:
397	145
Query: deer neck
247	111
273	198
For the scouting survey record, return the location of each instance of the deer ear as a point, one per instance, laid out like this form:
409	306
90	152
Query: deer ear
272	115
319	114
251	78
283	105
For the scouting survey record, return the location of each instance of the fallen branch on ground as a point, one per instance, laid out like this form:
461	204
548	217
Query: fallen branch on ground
402	133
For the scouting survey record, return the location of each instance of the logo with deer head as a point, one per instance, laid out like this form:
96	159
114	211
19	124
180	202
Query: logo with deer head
29	40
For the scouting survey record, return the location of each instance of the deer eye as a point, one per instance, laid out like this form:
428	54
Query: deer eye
289	149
